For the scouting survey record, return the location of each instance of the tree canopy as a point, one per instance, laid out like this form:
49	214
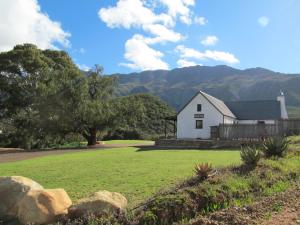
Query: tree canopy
44	97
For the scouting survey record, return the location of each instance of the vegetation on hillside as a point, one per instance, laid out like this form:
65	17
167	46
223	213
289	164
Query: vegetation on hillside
177	86
231	187
45	100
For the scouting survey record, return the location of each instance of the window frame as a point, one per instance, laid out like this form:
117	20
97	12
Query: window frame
196	124
198	107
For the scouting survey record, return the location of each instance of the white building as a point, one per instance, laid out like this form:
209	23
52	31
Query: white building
203	111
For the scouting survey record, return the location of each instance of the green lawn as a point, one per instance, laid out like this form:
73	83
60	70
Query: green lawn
110	142
128	142
136	174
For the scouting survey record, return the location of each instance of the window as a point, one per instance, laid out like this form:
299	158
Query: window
261	122
199	107
199	124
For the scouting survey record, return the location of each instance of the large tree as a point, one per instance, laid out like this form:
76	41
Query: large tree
39	93
140	116
96	112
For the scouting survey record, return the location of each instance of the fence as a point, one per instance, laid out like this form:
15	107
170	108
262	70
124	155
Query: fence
255	131
290	127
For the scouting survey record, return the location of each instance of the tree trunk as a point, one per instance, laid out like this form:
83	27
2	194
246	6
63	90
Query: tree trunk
92	137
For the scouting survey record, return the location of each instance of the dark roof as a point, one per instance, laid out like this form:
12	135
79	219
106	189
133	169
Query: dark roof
255	110
217	103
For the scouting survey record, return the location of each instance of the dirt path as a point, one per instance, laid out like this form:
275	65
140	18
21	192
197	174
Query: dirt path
280	209
12	155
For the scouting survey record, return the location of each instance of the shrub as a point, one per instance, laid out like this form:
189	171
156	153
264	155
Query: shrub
123	135
276	147
250	155
202	170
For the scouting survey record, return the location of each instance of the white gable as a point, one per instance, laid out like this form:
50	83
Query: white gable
212	116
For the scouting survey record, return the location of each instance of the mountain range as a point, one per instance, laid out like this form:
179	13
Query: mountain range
177	86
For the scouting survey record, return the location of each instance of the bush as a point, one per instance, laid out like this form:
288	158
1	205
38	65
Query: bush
276	147
202	170
123	135
250	155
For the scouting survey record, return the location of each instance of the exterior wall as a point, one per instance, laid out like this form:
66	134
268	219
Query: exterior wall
283	111
229	120
255	121
186	123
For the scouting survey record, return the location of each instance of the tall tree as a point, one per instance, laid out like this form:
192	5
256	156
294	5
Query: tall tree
39	91
96	111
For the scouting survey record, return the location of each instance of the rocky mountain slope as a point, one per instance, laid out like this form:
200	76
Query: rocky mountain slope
177	86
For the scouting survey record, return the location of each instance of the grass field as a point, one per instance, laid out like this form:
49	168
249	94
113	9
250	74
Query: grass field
110	142
128	142
136	174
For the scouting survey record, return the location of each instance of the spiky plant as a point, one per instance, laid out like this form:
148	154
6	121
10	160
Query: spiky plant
203	170
250	155
275	147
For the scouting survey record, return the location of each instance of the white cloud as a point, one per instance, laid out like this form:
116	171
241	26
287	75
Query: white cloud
185	63
158	23
21	21
141	14
162	34
209	40
263	21
82	50
221	56
83	67
190	53
132	13
200	20
181	8
141	56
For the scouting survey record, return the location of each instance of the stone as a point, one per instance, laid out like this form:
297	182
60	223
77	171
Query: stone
12	190
43	206
99	203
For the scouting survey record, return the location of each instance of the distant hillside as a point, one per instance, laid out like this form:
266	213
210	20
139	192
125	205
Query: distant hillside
177	86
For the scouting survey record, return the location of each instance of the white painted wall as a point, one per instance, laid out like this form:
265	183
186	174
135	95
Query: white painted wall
283	110
186	123
229	120
255	121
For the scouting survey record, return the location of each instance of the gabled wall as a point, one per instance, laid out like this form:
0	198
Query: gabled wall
186	123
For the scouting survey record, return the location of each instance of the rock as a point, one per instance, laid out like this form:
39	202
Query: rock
12	190
98	203
43	206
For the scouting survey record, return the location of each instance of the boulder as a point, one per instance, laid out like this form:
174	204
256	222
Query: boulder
12	190
99	203
43	206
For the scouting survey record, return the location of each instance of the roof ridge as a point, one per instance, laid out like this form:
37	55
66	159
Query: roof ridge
267	100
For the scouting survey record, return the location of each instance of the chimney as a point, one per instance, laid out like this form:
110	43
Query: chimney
281	99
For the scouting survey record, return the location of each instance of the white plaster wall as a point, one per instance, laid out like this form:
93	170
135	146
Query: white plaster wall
186	123
255	121
229	120
283	110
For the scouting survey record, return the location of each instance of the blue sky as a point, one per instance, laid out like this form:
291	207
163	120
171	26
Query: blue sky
133	35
